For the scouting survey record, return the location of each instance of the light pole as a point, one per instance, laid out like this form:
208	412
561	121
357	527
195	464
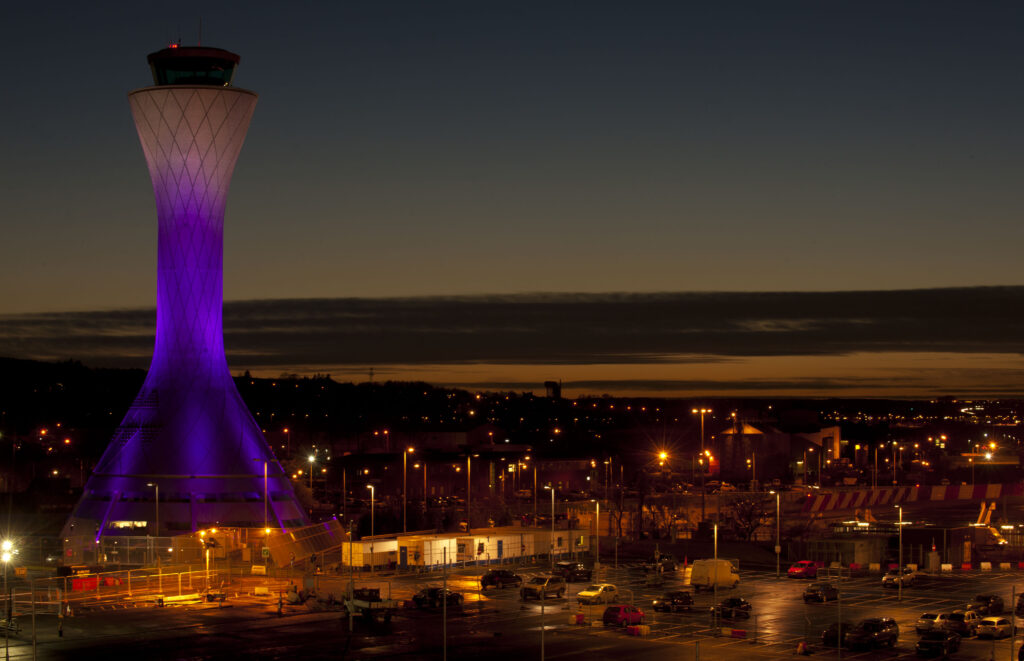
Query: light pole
312	459
288	436
875	482
405	472
469	489
372	494
701	411
597	540
778	527
8	551
551	543
156	532
899	563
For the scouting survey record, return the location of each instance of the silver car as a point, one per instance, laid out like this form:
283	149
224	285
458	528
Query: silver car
930	622
994	627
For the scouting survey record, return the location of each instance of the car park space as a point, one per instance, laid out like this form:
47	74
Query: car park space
779	617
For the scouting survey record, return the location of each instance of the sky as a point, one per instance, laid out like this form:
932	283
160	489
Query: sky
647	197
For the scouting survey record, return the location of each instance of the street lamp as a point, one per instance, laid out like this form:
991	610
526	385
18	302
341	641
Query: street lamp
551	542
701	411
312	459
372	494
899	562
157	531
778	526
8	552
7	548
405	464
597	539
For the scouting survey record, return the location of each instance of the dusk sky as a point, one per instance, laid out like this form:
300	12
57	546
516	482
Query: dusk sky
662	198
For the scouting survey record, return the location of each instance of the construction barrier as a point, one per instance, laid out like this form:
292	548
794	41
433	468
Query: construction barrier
948	566
1004	565
576	618
966	566
986	566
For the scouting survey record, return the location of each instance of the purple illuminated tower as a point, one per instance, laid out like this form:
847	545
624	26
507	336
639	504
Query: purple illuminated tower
188	434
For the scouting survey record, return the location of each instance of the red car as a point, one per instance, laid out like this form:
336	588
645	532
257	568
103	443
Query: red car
622	615
804	569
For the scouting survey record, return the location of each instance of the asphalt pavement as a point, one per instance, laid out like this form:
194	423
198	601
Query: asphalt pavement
497	624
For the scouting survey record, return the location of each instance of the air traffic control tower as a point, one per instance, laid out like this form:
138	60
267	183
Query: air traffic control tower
188	435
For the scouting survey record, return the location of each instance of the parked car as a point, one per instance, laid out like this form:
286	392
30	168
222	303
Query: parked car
894	577
573	572
830	636
994	626
732	607
664	562
622	615
499	578
542	587
600	593
434	597
803	569
670	602
964	623
930	622
873	632
820	592
986	604
938	643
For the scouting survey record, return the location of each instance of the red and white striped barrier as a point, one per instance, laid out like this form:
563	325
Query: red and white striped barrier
830	501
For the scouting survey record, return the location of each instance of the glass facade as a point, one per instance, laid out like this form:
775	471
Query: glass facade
193	66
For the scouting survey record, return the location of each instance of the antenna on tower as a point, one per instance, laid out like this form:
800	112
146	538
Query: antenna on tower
200	31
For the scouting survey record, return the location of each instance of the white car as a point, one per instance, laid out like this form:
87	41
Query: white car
600	593
894	577
994	627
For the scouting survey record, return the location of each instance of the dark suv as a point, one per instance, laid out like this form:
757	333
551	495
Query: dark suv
542	587
434	597
678	600
573	572
986	604
820	592
873	632
499	578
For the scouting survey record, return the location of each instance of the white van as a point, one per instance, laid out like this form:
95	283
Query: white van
705	574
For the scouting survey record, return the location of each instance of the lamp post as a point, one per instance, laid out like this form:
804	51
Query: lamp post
7	547
405	472
701	411
156	532
288	436
597	539
899	562
372	494
469	489
312	459
551	542
778	527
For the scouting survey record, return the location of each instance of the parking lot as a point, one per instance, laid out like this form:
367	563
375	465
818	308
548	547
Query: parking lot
497	623
780	619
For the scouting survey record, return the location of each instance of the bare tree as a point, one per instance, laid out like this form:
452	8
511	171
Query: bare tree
749	513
